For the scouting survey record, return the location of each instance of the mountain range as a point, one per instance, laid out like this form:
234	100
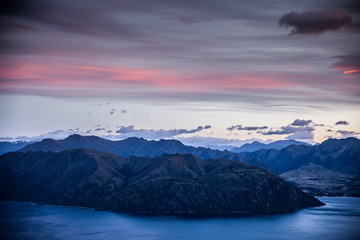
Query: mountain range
330	168
180	184
133	146
278	145
338	159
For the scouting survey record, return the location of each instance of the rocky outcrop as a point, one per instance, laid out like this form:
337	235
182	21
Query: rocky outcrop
179	184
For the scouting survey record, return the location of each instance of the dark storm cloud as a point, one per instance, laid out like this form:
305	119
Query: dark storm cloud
316	22
301	122
351	6
342	123
127	131
240	127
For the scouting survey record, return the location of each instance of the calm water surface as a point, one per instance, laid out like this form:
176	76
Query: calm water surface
339	219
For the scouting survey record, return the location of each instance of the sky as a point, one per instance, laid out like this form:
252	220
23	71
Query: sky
205	72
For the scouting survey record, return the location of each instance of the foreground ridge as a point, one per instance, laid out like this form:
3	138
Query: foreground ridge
176	184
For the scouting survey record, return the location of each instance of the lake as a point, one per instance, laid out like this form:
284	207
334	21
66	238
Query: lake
339	219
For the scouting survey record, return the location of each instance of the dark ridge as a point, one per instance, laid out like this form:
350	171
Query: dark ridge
174	184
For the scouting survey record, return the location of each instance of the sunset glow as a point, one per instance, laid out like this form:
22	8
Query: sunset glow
168	65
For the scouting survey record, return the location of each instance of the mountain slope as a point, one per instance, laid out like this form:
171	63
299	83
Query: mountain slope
331	168
134	147
340	155
12	146
169	184
278	145
318	180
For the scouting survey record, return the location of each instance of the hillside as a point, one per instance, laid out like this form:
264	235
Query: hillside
341	156
330	168
179	184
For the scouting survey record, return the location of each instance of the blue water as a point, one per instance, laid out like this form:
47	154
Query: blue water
339	219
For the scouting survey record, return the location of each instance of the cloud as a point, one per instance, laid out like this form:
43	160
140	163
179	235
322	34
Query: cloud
123	111
342	123
240	127
215	143
127	129
6	138
112	111
74	38
288	130
130	131
302	122
301	135
301	131
58	134
99	129
349	64
195	19
345	134
81	18
315	22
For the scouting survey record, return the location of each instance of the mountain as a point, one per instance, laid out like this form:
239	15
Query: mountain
318	180
332	167
134	147
179	184
340	155
254	146
12	146
333	155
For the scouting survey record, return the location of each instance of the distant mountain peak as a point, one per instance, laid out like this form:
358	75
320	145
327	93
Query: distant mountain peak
48	140
278	145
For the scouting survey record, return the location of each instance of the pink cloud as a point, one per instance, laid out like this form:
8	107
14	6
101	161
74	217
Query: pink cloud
56	77
58	74
347	70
